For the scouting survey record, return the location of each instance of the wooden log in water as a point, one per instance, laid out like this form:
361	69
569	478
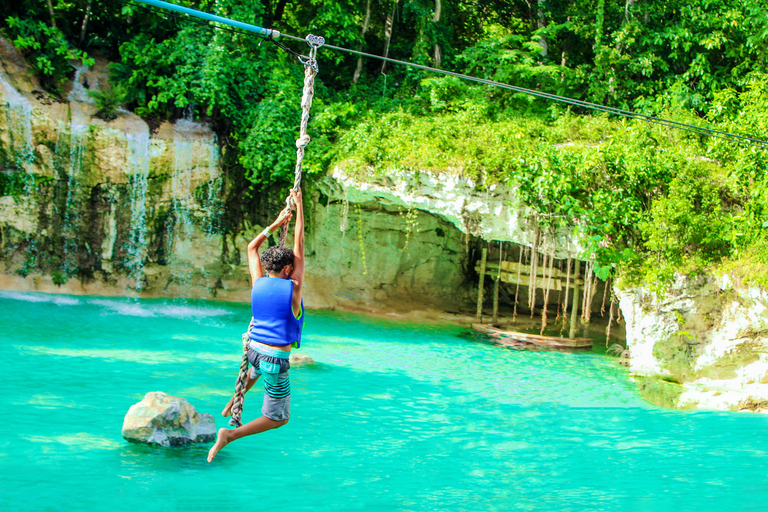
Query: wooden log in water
534	339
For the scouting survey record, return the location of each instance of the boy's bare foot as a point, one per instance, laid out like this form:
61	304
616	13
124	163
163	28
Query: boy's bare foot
228	408
221	441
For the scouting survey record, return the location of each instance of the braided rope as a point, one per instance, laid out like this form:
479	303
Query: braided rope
310	71
237	403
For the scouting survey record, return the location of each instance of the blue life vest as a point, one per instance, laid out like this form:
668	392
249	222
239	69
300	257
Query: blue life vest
272	306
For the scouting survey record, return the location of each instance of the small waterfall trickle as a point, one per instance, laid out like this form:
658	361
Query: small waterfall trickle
138	173
181	182
212	204
76	139
196	158
82	84
19	115
180	237
195	188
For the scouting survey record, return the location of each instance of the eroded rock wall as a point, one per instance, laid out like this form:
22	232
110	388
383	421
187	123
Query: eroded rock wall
90	206
702	345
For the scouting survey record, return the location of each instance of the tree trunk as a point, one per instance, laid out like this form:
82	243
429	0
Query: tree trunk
50	11
277	16
438	51
627	5
541	23
566	48
84	26
267	12
388	34
367	21
599	26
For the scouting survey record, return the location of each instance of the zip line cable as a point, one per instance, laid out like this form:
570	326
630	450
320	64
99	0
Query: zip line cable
272	35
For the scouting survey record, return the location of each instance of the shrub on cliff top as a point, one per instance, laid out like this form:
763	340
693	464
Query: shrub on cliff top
47	51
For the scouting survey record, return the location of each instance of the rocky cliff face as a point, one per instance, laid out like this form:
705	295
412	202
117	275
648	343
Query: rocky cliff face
99	203
703	345
119	207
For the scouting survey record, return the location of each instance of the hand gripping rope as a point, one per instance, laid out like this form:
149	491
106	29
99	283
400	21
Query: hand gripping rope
310	71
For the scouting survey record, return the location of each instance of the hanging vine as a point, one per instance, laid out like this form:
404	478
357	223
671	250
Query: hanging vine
567	290
517	287
360	237
548	286
610	321
534	268
411	223
344	216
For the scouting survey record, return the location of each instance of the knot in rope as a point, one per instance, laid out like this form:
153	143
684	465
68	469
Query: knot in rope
302	141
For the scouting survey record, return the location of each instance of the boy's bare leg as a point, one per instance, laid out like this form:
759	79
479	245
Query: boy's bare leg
248	385
257	426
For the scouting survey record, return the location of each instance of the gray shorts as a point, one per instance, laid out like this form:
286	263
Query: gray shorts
272	365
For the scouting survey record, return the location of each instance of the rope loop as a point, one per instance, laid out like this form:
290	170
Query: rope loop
302	141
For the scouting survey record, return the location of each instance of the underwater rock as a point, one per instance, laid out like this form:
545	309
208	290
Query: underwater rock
299	358
165	420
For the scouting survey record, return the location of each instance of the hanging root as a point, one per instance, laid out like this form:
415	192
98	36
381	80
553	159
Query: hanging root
605	293
533	272
610	321
517	288
548	287
559	293
237	404
567	290
588	292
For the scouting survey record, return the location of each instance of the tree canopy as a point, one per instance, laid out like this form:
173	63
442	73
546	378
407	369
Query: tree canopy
647	200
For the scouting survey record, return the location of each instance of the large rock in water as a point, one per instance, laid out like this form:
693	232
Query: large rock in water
165	420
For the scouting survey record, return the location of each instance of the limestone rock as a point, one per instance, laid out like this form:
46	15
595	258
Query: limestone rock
165	420
297	358
703	345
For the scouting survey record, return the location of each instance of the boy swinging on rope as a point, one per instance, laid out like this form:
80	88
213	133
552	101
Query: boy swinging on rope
277	322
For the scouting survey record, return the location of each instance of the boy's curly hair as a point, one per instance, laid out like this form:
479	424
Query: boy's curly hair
276	258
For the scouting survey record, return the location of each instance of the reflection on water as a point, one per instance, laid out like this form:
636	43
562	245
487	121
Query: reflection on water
392	417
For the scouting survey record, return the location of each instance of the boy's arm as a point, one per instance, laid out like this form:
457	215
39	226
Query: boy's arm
254	262
297	276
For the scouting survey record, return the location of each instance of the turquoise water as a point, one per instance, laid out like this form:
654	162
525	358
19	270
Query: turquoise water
393	417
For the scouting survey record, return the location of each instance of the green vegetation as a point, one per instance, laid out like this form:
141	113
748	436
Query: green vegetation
108	100
46	49
660	392
646	200
678	355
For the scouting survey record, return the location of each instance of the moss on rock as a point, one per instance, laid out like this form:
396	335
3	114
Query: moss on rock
677	354
659	391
